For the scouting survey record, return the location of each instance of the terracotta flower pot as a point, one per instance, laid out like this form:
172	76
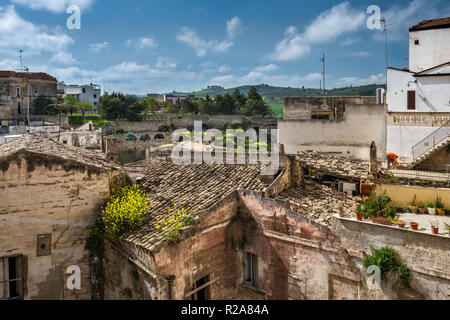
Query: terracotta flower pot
382	220
422	210
401	224
414	226
359	217
435	230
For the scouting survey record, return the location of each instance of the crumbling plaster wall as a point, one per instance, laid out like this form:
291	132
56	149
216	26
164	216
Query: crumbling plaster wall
41	196
427	255
297	257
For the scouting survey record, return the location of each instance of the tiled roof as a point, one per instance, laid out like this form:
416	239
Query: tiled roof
37	144
432	24
318	202
336	166
194	186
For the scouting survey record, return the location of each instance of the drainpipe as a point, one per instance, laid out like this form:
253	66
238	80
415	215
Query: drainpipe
170	280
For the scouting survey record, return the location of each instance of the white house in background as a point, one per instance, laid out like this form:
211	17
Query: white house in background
418	98
85	93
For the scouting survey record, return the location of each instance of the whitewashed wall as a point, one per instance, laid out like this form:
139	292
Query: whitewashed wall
433	49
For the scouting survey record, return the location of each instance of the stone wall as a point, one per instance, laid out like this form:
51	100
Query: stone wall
42	195
350	137
426	255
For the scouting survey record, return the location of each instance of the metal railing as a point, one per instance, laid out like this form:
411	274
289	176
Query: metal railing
431	141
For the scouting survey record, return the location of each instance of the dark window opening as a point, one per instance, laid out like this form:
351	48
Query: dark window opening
19	108
11	278
251	269
416	42
95	96
84	90
204	292
320	117
411	100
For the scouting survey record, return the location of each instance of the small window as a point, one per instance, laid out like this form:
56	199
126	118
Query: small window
11	278
95	96
18	92
19	108
251	269
416	42
411	100
204	292
84	90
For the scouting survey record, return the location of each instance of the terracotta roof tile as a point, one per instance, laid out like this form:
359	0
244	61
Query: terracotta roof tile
432	24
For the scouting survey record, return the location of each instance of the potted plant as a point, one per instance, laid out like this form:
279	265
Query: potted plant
412	205
359	213
421	208
431	210
414	226
447	228
434	227
400	223
439	205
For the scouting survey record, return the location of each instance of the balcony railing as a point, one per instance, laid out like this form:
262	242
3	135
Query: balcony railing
431	141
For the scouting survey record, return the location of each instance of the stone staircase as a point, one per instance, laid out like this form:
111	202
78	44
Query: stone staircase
432	144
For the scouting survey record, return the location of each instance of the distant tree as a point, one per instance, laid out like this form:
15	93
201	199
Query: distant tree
188	107
70	104
84	107
207	106
255	105
117	106
151	105
239	101
227	106
45	105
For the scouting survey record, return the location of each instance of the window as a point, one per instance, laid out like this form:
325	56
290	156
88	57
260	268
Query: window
19	108
95	96
11	278
18	92
416	42
84	90
411	100
251	269
204	291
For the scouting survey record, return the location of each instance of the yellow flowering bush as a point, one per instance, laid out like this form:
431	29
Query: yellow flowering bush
126	208
176	218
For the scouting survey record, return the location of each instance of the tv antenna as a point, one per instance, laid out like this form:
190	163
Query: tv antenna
385	27
323	71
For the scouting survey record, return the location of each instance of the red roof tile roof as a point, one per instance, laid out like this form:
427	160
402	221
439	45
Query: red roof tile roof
432	24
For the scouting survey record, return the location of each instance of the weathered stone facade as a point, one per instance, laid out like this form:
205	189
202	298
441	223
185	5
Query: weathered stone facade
53	192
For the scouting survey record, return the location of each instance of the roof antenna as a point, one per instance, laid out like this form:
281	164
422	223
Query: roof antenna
20	57
323	71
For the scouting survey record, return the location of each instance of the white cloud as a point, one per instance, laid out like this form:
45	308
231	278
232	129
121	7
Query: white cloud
328	26
97	47
357	81
17	33
142	43
56	6
202	47
165	62
265	74
292	47
357	54
233	27
350	41
224	69
63	57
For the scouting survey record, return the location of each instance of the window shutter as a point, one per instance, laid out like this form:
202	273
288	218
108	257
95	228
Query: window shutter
411	100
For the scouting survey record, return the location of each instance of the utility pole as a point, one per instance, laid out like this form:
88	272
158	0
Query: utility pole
20	58
323	72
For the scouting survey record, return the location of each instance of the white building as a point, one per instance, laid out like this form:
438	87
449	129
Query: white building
418	98
84	93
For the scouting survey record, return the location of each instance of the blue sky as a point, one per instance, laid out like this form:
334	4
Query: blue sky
142	46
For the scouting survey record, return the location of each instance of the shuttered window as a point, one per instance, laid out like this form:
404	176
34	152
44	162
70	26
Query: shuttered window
411	100
251	269
11	278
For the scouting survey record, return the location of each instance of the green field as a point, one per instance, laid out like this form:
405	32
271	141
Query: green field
277	109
